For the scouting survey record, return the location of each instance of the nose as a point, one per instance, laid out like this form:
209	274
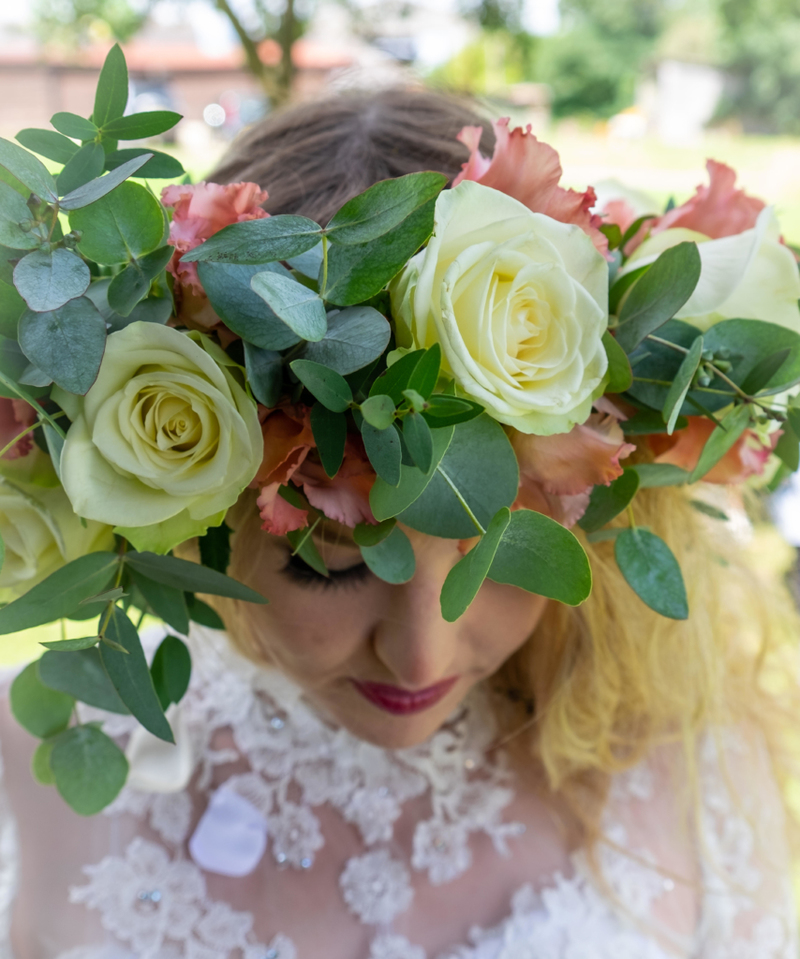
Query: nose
412	640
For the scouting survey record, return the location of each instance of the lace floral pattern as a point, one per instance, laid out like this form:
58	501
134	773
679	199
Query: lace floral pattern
154	898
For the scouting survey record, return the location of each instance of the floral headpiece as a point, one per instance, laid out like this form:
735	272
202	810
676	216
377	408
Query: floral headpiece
471	363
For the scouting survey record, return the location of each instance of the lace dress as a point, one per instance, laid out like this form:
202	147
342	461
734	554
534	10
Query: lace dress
268	833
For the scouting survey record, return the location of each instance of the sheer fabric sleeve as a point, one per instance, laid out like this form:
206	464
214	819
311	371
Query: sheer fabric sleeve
748	906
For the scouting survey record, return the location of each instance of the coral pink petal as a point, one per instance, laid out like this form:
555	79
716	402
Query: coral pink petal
477	164
716	210
278	516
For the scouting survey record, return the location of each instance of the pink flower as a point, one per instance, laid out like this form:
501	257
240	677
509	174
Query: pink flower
201	210
716	210
747	457
278	516
345	498
569	464
529	170
15	416
288	439
566	510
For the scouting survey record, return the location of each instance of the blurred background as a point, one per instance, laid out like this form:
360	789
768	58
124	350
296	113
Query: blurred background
640	90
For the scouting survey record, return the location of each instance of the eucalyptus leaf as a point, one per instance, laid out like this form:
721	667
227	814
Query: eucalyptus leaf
40	764
111	97
606	502
378	410
96	189
165	602
48	143
709	510
383	450
227	286
72	125
620	375
215	548
140	126
419	440
658	294
466	577
202	613
329	387
131	677
330	435
369	534
264	374
763	372
72	645
383	207
127	223
60	593
303	546
13	212
37	708
358	272
182	574
66	343
47	280
301	309
645	422
538	555
721	440
480	468
12	306
660	474
392	559
89	769
258	241
355	337
787	449
445	410
171	670
387	501
81	674
652	572
160	166
681	384
85	165
132	284
28	170
397	377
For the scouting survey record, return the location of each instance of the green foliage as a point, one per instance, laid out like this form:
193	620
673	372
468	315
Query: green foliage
42	711
418	439
721	440
388	501
86	164
94	190
652	572
606	502
122	226
538	555
301	309
367	534
384	451
13	212
680	385
465	579
258	241
355	337
391	559
264	373
89	769
165	602
378	410
47	280
215	548
81	674
181	574
330	435
620	374
171	670
128	671
132	284
326	385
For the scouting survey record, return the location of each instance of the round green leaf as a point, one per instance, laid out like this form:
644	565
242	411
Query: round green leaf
42	711
301	309
46	281
13	212
81	674
538	555
328	386
378	411
466	577
89	769
356	336
392	559
40	765
66	343
370	534
127	222
652	572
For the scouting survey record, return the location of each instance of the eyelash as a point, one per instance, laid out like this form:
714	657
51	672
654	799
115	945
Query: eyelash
300	572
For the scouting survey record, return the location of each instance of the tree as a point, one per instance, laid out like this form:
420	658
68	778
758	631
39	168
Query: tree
74	23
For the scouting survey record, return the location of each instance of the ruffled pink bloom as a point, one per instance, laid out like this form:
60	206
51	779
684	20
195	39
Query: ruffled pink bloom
288	439
15	416
278	516
201	210
569	464
566	510
716	210
530	171
747	457
345	498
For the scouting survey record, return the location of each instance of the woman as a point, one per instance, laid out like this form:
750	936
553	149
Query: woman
356	777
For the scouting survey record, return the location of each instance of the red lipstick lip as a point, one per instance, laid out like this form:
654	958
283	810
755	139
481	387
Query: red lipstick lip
402	702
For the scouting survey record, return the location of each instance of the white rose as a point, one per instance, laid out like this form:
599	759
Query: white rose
41	533
519	304
166	433
751	275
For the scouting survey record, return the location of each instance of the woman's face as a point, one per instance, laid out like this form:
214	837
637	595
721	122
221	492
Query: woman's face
380	659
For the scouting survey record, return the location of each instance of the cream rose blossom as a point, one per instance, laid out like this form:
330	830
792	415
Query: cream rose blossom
519	304
166	433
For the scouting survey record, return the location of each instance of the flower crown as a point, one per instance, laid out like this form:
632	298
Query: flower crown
471	363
